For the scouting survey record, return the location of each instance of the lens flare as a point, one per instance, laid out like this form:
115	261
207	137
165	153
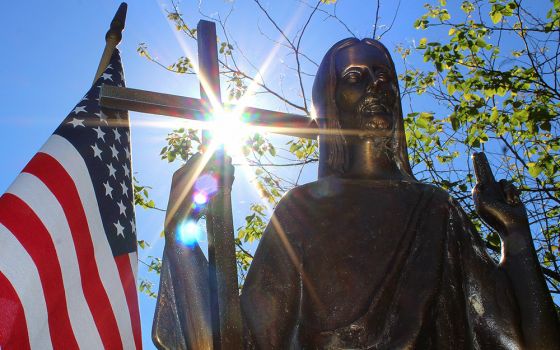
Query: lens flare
206	184
189	233
200	198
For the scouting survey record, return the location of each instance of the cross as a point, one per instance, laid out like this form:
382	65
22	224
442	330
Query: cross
224	296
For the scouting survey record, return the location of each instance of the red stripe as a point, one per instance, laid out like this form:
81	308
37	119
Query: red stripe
129	285
53	175
32	234
13	328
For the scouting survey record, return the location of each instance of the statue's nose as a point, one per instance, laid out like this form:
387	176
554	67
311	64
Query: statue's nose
376	80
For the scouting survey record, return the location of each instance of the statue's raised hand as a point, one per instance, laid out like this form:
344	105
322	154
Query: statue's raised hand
497	202
203	175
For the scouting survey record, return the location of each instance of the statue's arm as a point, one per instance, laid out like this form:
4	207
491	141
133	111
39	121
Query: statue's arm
272	291
498	204
188	269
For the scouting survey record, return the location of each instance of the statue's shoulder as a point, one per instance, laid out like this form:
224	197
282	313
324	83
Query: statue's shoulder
304	198
298	194
439	198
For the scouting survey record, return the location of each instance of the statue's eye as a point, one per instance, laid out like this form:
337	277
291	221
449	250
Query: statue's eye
353	76
382	76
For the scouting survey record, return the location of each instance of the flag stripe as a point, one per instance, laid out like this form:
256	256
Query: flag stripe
32	191
129	287
134	264
14	264
63	188
67	236
13	328
28	229
68	157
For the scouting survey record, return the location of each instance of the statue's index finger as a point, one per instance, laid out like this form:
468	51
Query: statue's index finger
482	169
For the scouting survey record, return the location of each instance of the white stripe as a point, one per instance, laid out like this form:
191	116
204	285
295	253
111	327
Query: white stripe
20	270
45	205
134	263
63	151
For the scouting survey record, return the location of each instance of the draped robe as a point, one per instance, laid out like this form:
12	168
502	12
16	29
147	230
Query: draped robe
357	264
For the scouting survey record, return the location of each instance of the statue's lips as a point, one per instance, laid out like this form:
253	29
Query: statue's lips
376	117
377	122
374	109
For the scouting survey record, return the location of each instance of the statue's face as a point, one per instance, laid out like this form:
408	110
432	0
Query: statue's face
365	90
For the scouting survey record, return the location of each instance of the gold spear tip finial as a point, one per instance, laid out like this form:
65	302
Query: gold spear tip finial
117	24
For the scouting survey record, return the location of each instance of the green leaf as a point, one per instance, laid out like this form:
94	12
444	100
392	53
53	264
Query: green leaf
451	89
495	15
534	169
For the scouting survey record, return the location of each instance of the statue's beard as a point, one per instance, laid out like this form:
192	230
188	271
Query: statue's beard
375	114
373	104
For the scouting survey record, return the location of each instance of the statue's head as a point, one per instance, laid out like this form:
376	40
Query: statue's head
356	98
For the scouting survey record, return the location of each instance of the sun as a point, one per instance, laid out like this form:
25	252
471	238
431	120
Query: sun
228	129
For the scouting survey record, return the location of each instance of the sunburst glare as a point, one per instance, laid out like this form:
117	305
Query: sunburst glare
230	130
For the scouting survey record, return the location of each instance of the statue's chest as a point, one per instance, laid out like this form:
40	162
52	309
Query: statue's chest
347	255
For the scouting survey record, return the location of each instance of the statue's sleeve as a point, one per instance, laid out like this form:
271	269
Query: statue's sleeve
182	316
272	291
491	310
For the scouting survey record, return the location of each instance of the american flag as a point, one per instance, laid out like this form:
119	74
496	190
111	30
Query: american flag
68	259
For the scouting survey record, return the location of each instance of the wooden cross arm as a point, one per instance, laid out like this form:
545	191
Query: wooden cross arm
193	109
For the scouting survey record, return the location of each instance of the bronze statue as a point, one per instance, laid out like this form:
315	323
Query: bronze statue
367	257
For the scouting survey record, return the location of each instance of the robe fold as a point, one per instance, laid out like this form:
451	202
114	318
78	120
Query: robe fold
350	264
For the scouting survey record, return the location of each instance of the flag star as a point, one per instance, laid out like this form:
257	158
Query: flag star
115	152
127	152
119	228
117	134
102	116
133	226
109	66
79	109
107	76
96	151
122	208
126	170
124	188
100	133
111	170
76	122
85	98
108	189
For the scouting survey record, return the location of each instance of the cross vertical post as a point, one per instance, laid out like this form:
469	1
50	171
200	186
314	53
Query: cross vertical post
227	328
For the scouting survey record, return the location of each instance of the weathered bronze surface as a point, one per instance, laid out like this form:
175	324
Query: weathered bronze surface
367	257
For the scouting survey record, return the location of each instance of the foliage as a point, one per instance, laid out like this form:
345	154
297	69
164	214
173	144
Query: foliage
180	143
491	77
496	77
141	195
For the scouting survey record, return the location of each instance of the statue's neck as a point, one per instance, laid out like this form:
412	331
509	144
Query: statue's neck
372	159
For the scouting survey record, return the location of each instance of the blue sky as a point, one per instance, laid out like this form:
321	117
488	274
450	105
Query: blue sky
51	50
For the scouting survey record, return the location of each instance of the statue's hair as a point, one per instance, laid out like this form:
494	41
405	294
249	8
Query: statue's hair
333	148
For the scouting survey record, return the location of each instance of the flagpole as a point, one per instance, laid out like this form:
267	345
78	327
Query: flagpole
112	39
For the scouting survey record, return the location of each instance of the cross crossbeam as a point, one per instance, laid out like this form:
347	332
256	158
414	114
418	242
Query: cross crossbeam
193	109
